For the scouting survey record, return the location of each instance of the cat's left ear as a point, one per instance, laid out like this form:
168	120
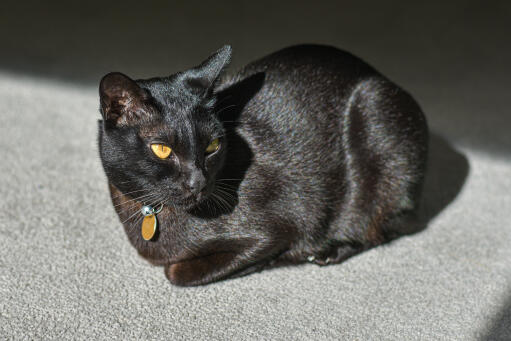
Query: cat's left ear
205	75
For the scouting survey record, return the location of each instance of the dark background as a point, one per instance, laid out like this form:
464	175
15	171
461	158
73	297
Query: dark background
452	56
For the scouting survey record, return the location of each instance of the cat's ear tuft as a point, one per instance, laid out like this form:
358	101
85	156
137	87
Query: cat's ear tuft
121	99
205	75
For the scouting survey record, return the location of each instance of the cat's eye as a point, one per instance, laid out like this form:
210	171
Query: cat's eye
213	146
160	150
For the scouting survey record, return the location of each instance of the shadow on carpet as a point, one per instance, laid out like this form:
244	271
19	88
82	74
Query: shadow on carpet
447	172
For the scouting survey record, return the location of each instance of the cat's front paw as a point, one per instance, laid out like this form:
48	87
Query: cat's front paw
184	273
200	270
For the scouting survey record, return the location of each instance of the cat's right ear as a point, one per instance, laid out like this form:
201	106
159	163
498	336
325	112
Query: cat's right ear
122	101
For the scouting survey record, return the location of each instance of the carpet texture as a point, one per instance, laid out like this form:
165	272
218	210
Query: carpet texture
67	270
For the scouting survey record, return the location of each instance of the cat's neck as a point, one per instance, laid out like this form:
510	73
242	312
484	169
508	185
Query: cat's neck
129	208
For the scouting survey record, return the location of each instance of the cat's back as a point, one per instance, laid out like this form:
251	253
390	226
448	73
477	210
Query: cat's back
307	62
312	108
301	86
296	106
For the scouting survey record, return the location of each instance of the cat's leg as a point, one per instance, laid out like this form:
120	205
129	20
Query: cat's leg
367	229
385	141
222	264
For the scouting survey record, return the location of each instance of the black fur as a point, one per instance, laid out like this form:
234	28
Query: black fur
320	157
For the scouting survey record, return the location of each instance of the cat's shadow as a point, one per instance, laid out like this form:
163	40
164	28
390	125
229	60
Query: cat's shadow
446	174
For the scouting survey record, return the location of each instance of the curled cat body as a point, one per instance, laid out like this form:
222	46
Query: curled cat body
308	154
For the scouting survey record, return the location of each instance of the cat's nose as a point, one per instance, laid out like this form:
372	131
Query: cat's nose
195	183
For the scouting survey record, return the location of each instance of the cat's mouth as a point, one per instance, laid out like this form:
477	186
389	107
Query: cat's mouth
192	200
187	200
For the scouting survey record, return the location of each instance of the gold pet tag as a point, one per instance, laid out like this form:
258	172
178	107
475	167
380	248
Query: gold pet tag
149	225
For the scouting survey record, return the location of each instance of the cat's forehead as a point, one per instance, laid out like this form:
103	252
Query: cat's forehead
181	113
176	125
173	98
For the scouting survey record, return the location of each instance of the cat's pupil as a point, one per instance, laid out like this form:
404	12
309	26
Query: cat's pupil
160	150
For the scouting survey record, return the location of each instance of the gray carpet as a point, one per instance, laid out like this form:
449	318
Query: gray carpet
67	271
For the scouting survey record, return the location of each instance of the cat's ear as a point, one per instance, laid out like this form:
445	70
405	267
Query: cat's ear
205	75
122	101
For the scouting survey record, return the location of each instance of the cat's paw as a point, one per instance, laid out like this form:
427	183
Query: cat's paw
318	261
200	270
183	273
336	255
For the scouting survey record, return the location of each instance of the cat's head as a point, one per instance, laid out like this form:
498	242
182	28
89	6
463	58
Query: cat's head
160	140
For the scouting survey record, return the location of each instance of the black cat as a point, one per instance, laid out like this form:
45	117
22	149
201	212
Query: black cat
308	154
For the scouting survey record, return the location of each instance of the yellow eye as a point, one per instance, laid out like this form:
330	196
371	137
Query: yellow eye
160	150
213	146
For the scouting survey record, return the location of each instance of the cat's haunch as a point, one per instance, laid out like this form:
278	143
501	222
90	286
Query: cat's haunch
308	154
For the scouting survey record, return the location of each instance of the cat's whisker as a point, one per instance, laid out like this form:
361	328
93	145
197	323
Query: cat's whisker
153	203
129	206
134	203
132	206
131	216
225	183
134	199
214	200
127	193
232	192
218	206
220	183
125	182
226	203
230	202
225	108
221	204
137	222
223	99
226	186
229	195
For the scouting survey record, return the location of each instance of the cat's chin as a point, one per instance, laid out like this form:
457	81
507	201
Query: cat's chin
190	202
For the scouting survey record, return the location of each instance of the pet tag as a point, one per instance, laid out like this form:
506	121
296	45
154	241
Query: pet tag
149	223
